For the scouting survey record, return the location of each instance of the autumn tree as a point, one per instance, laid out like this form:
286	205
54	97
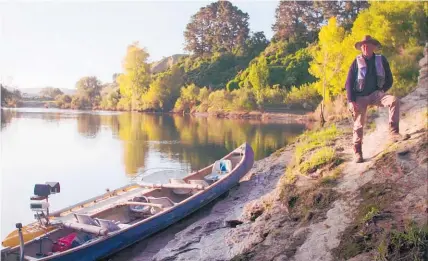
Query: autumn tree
218	27
135	79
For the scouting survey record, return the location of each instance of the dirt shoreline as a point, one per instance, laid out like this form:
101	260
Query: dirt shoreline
289	116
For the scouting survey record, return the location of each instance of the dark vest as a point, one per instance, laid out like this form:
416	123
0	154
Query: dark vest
362	70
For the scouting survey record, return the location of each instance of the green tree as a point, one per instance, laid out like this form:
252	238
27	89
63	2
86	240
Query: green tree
220	27
10	98
110	98
88	88
397	25
295	20
256	44
50	92
328	57
135	79
300	21
258	77
164	90
63	101
327	63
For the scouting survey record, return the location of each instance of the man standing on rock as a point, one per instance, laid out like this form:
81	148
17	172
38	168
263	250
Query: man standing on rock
369	77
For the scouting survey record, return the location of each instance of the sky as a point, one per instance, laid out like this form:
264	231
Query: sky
56	43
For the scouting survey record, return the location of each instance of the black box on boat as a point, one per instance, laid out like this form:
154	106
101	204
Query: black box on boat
42	190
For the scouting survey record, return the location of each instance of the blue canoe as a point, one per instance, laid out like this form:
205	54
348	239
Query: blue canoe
104	225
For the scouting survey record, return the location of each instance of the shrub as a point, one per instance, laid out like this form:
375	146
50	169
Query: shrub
306	97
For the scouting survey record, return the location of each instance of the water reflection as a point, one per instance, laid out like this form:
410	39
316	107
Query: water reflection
196	141
6	118
88	125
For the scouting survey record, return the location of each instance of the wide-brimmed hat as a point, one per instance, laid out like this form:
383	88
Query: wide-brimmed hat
367	39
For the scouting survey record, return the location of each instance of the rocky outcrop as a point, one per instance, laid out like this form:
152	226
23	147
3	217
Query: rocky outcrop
165	63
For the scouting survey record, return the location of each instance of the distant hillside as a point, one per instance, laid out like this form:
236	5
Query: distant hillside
165	63
36	91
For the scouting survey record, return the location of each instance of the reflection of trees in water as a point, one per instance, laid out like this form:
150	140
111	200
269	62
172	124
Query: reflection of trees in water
52	117
6	117
195	140
264	138
130	131
88	125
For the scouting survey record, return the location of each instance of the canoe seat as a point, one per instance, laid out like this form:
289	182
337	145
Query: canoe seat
198	182
164	201
179	191
108	224
220	169
86	219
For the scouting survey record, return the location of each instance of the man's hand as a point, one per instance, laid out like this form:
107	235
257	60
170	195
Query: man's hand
353	107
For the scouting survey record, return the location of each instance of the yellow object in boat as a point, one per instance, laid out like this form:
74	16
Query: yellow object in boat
29	232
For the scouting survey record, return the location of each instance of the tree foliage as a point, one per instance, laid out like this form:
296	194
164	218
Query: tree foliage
63	101
88	88
391	26
189	98
164	90
328	58
301	21
10	98
258	77
310	55
218	27
135	79
50	92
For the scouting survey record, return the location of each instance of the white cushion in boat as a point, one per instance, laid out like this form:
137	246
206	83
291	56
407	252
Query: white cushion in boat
164	201
108	224
85	219
220	169
179	191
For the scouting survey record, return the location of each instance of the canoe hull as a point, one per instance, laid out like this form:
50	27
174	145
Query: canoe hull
115	242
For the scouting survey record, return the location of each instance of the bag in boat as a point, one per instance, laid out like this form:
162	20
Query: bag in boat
71	240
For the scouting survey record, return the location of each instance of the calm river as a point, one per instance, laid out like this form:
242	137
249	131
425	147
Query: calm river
88	152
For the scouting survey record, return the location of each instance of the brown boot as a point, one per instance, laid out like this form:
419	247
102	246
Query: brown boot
396	137
358	153
394	133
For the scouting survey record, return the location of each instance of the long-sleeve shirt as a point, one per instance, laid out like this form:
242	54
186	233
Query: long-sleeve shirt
370	81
